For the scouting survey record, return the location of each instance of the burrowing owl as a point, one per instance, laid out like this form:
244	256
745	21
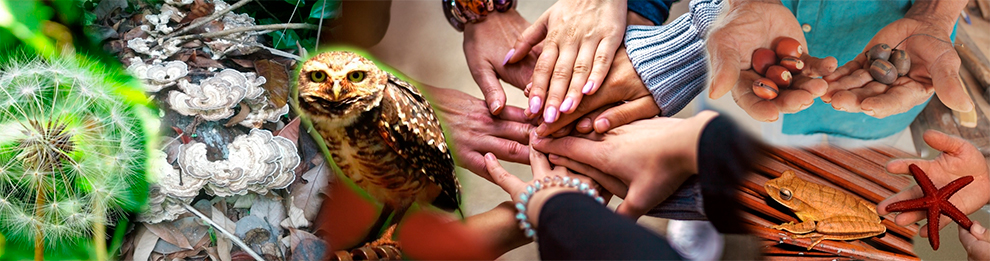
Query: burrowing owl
381	132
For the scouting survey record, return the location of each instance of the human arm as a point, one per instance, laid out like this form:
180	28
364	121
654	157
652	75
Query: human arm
497	227
925	32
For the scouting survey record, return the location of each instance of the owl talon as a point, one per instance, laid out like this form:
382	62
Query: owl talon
385	240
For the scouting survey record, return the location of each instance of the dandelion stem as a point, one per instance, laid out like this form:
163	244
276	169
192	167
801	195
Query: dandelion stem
39	237
99	234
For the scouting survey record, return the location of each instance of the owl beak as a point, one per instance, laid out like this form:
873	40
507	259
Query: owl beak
336	90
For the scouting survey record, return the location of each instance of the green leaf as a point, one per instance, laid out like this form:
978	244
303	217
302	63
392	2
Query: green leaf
325	9
282	39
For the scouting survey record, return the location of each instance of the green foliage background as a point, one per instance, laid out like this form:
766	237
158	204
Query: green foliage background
26	33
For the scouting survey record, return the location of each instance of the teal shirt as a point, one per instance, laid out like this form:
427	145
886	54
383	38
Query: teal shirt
842	28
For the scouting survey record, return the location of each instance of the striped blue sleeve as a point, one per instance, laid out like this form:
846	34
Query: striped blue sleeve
670	59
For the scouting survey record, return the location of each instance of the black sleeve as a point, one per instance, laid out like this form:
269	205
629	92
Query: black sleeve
726	155
576	227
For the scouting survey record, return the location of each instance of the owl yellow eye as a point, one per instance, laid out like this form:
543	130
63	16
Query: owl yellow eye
356	76
318	76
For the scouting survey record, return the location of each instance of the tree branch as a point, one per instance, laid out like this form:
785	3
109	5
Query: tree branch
214	16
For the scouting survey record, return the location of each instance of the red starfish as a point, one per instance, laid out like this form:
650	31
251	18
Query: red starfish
935	202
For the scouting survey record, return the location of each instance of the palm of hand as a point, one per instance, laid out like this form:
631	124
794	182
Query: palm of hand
947	168
751	26
959	159
852	88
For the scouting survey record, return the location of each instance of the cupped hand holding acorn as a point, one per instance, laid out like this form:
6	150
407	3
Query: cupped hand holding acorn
777	73
886	64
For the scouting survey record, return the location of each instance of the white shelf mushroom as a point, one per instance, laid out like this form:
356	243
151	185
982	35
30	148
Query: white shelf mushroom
158	76
215	97
169	184
256	162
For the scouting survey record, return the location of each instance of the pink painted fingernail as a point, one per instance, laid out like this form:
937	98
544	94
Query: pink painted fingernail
602	124
566	106
587	87
550	115
553	156
535	104
507	56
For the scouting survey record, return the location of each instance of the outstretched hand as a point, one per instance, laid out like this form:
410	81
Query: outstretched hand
934	67
959	158
749	26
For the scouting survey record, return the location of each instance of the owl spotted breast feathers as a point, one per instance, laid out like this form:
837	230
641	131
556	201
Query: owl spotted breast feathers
380	131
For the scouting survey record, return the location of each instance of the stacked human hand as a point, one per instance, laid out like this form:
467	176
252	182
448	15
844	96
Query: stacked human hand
580	39
474	131
485	45
643	162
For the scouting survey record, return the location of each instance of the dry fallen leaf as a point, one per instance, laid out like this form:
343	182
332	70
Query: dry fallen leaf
309	196
269	210
296	218
198	9
144	243
277	84
169	233
290	131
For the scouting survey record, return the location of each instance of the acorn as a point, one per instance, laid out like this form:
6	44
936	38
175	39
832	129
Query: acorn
793	64
763	58
779	75
789	47
765	88
901	60
883	71
879	51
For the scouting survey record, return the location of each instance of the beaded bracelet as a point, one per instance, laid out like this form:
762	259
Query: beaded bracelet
556	181
460	12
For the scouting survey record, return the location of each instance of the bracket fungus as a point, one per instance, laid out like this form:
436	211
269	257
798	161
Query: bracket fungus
257	162
158	76
214	98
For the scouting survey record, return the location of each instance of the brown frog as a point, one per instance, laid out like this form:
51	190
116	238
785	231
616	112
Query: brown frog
825	213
